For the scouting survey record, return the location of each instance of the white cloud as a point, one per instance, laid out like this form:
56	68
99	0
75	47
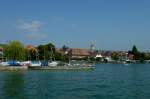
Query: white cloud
33	29
33	26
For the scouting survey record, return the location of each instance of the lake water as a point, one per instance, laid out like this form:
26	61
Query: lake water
107	81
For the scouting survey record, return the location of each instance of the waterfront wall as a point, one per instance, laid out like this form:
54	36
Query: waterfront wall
13	68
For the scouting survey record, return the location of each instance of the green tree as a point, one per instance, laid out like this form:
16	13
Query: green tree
134	50
46	52
115	56
59	56
31	53
14	50
142	57
136	53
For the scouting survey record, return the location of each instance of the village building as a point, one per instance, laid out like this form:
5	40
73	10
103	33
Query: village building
75	53
79	53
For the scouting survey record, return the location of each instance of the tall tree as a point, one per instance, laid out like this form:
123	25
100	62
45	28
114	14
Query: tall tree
31	53
65	48
136	53
14	50
134	50
115	56
46	51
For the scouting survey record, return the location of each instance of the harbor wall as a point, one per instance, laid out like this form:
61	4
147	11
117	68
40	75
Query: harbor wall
13	68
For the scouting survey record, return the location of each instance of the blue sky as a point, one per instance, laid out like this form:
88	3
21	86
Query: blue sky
111	24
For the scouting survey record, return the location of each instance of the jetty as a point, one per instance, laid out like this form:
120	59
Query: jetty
24	68
33	65
60	67
13	68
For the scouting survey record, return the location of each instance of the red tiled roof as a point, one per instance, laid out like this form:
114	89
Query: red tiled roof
29	46
79	52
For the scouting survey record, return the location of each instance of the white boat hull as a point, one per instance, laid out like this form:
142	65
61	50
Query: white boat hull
52	64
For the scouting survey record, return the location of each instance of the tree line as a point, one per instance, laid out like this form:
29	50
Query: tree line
137	55
15	50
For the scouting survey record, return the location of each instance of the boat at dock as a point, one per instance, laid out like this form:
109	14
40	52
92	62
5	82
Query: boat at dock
35	63
10	63
64	66
53	63
44	65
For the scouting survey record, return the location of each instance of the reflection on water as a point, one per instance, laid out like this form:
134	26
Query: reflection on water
37	85
13	84
107	81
